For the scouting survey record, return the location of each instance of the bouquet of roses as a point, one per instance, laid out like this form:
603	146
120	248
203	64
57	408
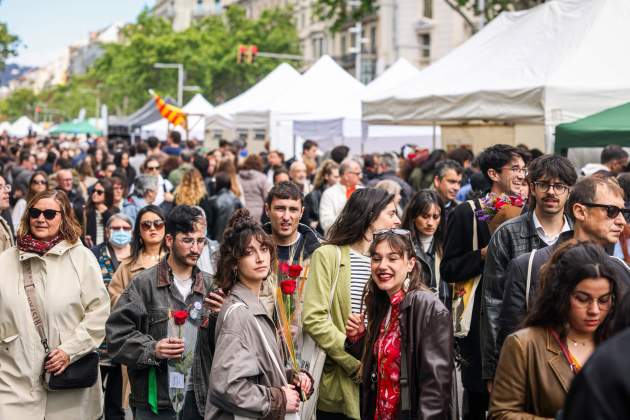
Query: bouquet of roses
289	294
497	208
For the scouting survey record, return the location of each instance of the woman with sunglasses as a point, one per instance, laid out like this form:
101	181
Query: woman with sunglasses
147	249
423	218
570	317
153	167
99	209
344	259
37	183
406	351
69	296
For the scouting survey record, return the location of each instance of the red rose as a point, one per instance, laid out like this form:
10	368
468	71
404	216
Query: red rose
180	317
517	201
288	286
295	270
499	204
283	267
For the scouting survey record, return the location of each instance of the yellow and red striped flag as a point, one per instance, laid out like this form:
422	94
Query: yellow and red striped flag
172	113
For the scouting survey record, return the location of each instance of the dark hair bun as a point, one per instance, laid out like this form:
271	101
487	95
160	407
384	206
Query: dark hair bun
239	218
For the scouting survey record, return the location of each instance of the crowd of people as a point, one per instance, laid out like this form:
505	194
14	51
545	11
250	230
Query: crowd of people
426	276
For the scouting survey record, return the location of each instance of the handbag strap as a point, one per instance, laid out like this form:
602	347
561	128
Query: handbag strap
334	286
528	285
475	240
29	288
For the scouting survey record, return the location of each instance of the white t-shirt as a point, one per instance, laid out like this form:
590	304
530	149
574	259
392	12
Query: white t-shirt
360	272
184	286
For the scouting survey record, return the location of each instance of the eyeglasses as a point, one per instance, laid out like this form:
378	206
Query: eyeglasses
584	300
545	186
611	211
394	231
40	182
355	173
5	187
148	224
153	168
517	169
120	228
98	192
49	214
191	241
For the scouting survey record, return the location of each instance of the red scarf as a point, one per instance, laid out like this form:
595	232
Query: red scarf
27	243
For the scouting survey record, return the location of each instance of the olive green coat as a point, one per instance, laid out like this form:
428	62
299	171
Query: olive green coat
338	391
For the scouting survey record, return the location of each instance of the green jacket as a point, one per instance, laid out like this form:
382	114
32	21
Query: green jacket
338	392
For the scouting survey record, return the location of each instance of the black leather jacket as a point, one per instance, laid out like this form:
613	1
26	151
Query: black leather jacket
220	208
427	337
513	238
429	270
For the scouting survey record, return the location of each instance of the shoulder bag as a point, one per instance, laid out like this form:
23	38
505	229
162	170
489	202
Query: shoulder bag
83	373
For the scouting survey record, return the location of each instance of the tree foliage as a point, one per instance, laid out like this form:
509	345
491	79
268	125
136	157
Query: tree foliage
122	76
491	9
20	102
8	44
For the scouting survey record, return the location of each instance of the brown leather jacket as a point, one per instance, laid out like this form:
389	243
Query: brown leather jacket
532	377
427	336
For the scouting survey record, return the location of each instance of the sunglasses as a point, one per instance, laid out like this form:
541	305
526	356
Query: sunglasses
40	182
394	231
98	192
153	168
148	224
49	214
611	211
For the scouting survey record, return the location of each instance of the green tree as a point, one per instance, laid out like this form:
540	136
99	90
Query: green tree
8	44
491	9
20	102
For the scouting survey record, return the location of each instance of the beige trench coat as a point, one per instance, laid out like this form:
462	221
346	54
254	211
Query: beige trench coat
6	238
75	306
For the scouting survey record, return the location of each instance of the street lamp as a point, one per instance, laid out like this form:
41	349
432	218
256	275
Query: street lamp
180	78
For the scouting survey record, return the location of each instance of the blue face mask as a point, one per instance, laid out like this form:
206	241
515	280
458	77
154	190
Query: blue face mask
120	237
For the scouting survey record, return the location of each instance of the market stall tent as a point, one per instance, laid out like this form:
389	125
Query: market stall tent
554	63
23	126
196	110
611	126
80	127
250	109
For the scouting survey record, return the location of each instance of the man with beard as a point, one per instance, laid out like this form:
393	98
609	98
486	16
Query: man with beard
504	168
447	183
141	330
596	206
550	178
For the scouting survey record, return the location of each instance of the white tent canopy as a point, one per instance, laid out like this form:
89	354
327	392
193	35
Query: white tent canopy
5	126
250	109
398	73
326	106
197	109
554	63
22	126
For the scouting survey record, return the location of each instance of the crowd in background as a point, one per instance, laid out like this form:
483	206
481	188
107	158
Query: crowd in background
389	238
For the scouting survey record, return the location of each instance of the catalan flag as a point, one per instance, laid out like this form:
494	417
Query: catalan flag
173	114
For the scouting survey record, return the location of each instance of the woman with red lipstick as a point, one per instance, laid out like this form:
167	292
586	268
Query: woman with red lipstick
569	319
406	351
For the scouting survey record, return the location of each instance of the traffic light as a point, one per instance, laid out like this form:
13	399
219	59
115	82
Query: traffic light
241	53
251	54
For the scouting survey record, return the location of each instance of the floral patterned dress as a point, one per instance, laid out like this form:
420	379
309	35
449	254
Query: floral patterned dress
387	352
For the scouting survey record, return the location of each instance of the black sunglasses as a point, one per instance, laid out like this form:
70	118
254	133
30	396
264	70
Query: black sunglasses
148	224
49	214
99	192
611	211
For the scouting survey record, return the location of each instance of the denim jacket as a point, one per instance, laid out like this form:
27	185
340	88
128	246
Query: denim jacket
140	319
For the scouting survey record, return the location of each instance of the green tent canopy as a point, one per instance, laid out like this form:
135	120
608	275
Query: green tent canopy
611	126
81	127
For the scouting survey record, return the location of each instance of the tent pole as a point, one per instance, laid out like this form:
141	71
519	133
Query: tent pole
434	136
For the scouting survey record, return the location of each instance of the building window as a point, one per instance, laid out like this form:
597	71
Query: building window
373	40
428	9
425	46
319	46
199	3
344	46
217	7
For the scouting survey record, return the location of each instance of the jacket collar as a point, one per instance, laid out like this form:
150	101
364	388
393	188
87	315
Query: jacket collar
310	237
165	276
558	363
242	292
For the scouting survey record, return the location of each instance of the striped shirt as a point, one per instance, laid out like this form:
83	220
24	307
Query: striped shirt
359	275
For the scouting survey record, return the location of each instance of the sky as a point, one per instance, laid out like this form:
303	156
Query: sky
47	27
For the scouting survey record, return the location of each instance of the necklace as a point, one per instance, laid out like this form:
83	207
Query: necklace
575	342
152	257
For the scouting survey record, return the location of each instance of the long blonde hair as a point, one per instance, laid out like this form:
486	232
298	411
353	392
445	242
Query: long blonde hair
191	190
70	229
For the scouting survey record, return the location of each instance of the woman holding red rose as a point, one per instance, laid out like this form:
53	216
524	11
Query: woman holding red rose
244	379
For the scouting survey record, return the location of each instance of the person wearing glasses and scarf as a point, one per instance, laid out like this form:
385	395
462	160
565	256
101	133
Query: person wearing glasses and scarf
569	319
72	302
406	351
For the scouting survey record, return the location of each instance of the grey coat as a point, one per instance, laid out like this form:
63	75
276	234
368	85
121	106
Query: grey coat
243	380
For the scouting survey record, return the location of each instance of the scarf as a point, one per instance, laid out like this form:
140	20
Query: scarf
27	243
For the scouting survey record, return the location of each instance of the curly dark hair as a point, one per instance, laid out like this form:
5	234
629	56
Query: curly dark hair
239	232
571	263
